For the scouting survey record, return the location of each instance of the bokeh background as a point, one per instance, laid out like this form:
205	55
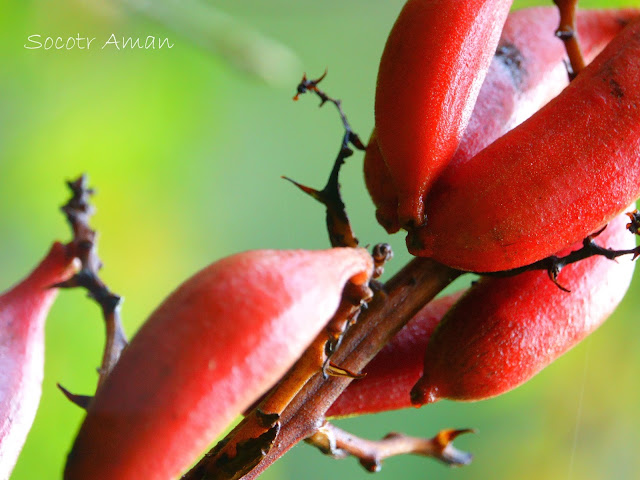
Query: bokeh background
186	147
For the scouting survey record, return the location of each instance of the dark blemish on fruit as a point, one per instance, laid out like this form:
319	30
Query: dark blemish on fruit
513	59
616	89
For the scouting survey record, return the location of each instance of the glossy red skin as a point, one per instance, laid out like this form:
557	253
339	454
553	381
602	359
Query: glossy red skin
396	368
23	311
213	347
431	70
549	182
524	75
505	330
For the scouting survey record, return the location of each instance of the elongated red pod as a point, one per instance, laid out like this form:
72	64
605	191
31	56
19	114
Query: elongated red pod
23	311
549	182
526	72
396	368
213	347
431	70
505	330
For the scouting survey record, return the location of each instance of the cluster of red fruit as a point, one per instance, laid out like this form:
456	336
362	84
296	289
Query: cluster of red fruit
479	186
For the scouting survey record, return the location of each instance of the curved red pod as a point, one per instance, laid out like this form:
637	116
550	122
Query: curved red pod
431	70
505	330
392	373
527	71
216	344
551	181
23	311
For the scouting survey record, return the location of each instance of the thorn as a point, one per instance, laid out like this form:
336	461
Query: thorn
332	370
448	453
306	85
554	278
596	234
553	271
81	401
317	194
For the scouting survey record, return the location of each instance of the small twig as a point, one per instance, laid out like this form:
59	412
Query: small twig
296	406
567	33
340	231
307	85
634	225
78	211
554	264
338	443
338	224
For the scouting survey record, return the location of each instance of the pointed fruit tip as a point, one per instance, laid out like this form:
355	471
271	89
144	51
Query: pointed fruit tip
424	393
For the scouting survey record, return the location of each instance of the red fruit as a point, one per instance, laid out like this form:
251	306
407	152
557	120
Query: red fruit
23	311
396	368
505	330
215	345
433	65
548	183
527	71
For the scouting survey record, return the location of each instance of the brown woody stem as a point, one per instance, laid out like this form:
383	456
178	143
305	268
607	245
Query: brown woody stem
554	264
338	225
403	296
567	33
338	443
78	211
307	85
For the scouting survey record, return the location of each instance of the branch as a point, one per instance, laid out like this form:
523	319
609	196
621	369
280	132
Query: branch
307	85
402	297
78	211
554	264
567	33
340	231
338	443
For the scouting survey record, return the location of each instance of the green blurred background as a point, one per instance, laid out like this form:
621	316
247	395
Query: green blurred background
185	147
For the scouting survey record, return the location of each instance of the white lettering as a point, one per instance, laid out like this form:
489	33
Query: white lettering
165	41
31	38
130	41
112	41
